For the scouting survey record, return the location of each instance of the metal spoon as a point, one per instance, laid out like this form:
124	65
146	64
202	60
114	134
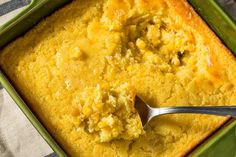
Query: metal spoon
146	112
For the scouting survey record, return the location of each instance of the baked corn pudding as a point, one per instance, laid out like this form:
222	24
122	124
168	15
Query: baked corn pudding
80	69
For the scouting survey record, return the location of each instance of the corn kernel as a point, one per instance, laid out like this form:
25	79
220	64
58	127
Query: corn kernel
87	110
77	53
140	43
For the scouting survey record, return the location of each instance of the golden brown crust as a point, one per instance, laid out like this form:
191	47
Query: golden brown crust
185	10
191	18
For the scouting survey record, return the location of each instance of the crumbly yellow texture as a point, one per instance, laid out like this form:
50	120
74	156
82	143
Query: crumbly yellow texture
160	48
107	112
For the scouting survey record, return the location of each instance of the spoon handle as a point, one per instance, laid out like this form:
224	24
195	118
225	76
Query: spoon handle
213	110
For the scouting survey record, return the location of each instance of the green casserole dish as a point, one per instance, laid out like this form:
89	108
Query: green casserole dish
222	143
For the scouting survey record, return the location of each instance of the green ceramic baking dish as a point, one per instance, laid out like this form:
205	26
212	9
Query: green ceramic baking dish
221	143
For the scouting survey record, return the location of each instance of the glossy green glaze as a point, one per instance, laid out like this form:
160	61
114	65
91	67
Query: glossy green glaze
223	143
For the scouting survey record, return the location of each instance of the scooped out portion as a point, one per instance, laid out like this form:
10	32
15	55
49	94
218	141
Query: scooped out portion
108	113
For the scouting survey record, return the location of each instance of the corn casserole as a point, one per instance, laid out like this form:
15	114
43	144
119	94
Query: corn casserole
80	68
